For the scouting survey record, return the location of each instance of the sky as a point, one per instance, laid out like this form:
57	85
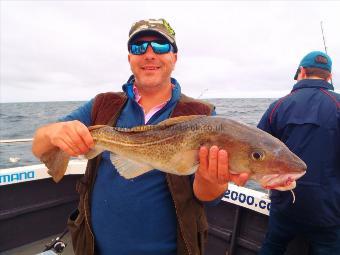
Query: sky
73	50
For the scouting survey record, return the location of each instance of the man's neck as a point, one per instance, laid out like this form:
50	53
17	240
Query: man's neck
151	97
314	78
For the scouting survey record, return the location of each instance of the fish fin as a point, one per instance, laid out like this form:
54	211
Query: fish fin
94	152
162	125
129	168
134	129
56	161
180	119
139	128
185	163
193	169
96	127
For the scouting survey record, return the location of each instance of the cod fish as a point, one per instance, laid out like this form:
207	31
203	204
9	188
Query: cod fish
172	146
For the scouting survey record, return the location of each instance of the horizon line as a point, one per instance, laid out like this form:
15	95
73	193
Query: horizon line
202	98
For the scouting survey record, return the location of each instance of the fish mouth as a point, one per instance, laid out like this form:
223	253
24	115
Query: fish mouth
280	182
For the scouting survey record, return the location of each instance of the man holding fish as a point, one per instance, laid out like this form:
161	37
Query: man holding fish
155	157
147	214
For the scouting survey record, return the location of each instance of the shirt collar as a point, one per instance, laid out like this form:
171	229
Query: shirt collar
138	96
129	90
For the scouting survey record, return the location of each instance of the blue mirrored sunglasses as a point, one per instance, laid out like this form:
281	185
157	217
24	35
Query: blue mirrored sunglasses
159	47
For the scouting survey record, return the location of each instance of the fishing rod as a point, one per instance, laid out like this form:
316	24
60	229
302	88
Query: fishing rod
324	43
323	38
203	91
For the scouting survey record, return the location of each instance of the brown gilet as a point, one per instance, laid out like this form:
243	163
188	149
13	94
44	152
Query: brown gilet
192	224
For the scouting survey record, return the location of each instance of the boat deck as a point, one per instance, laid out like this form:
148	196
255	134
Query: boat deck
38	246
33	209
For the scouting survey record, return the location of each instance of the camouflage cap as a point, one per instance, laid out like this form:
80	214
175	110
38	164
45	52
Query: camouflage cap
158	26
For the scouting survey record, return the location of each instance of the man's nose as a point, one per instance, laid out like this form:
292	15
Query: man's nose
149	53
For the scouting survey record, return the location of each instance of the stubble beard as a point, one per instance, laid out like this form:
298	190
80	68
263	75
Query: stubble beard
152	82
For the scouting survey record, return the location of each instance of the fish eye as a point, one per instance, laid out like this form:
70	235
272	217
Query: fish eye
257	155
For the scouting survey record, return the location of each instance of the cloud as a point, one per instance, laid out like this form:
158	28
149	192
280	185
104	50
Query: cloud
226	49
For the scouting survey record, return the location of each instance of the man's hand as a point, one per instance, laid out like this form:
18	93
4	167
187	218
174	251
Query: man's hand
73	137
212	176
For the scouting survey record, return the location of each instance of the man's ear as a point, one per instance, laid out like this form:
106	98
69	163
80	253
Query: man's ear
303	72
129	58
174	60
329	77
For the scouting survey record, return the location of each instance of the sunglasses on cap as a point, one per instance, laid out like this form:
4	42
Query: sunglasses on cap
158	47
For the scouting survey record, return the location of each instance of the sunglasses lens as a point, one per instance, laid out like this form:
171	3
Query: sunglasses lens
160	48
138	48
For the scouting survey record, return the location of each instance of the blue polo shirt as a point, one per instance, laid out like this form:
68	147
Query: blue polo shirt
308	122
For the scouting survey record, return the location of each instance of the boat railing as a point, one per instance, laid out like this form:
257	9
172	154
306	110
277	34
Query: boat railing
22	140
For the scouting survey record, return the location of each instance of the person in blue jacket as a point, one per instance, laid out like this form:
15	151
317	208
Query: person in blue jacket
308	122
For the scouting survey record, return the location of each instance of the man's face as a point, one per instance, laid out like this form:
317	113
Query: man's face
151	69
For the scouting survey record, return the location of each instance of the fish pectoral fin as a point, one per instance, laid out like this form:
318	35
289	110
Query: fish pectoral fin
193	169
94	152
129	168
185	162
56	162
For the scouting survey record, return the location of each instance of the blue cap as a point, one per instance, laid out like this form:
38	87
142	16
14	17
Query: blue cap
316	59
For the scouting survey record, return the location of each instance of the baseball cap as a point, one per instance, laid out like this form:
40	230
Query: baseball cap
316	59
153	26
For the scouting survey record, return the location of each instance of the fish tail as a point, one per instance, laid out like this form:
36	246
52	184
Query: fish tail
56	161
